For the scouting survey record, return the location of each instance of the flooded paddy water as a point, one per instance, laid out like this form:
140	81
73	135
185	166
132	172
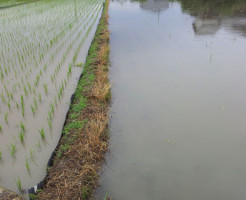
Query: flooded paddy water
178	126
43	46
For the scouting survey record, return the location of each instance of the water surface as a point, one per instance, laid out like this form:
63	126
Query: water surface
178	115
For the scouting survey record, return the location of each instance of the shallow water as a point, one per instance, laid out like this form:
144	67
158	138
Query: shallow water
178	112
32	36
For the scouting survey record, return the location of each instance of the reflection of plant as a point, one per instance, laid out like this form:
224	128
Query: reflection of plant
212	7
138	0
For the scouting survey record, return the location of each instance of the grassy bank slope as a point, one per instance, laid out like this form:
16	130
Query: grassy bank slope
79	155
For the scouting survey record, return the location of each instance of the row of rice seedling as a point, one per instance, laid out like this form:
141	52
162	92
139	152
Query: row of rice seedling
40	43
37	78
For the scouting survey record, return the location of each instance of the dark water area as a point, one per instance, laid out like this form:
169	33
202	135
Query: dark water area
178	128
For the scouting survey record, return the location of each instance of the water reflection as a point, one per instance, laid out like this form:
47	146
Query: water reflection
154	5
211	8
178	114
206	26
212	15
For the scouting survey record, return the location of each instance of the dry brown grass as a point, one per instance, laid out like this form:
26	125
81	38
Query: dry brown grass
75	174
100	91
7	195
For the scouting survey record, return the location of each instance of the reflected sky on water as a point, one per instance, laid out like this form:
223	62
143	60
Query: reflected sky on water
178	126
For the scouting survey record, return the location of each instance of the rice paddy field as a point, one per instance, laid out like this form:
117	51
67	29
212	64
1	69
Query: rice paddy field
43	46
5	3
